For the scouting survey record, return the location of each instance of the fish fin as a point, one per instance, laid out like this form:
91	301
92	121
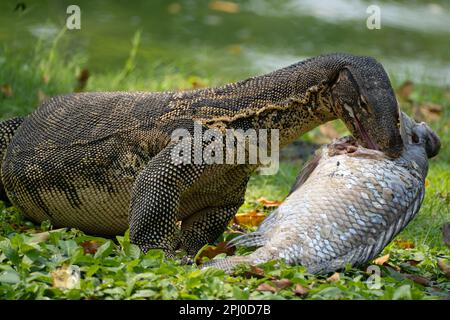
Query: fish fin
226	264
252	239
306	171
268	221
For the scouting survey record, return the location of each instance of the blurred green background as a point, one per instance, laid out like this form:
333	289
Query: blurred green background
232	40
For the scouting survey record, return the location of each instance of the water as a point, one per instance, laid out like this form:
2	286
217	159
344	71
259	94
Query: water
256	37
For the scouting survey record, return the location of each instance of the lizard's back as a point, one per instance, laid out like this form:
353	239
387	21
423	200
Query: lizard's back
78	155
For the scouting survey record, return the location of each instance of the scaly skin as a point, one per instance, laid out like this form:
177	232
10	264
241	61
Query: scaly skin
346	206
101	162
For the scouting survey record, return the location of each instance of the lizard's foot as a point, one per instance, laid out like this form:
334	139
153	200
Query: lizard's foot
187	260
168	253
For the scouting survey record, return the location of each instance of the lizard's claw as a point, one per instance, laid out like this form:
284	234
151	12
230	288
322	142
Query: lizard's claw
187	260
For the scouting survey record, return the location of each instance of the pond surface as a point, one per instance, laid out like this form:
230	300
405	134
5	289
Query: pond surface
240	38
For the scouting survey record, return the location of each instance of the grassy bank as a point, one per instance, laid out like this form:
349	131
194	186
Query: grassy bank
34	265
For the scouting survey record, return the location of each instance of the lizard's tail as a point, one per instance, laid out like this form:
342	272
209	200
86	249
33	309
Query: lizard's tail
227	264
7	131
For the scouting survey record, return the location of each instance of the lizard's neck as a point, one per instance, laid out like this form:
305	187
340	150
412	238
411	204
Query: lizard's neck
289	99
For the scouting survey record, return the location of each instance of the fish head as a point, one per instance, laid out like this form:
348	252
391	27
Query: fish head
421	134
365	101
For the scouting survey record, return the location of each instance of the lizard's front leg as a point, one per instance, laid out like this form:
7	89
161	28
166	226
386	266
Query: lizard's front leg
205	226
155	201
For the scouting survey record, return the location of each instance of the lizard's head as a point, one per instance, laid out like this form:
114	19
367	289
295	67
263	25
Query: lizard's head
363	98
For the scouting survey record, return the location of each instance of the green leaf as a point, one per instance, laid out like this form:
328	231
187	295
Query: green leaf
104	250
402	293
9	276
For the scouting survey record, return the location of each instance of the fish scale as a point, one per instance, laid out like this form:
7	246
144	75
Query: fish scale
347	210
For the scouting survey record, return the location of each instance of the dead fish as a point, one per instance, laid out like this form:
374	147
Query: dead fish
347	204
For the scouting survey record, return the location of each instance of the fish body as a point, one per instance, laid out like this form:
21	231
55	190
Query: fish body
346	205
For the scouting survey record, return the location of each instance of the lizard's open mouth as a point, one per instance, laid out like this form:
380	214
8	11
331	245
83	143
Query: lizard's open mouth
364	136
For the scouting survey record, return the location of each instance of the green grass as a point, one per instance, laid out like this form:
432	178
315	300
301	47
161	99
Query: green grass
118	270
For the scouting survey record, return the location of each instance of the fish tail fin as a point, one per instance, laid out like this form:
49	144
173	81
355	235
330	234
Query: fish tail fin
227	264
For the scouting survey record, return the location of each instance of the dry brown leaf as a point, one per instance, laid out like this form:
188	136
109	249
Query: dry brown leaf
211	251
427	111
405	90
381	260
268	203
404	244
445	268
174	8
66	277
6	90
90	246
446	233
418	279
282	283
335	277
82	79
255	272
413	262
300	290
224	6
266	287
252	218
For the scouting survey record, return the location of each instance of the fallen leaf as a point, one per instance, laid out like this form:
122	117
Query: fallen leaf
6	90
211	251
255	272
174	8
268	203
405	90
413	262
335	277
282	283
446	233
418	279
252	218
427	183
427	111
66	277
445	268
404	244
300	290
82	79
381	260
224	6
266	287
90	246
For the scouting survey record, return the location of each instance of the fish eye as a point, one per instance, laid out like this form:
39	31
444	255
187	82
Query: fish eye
415	138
